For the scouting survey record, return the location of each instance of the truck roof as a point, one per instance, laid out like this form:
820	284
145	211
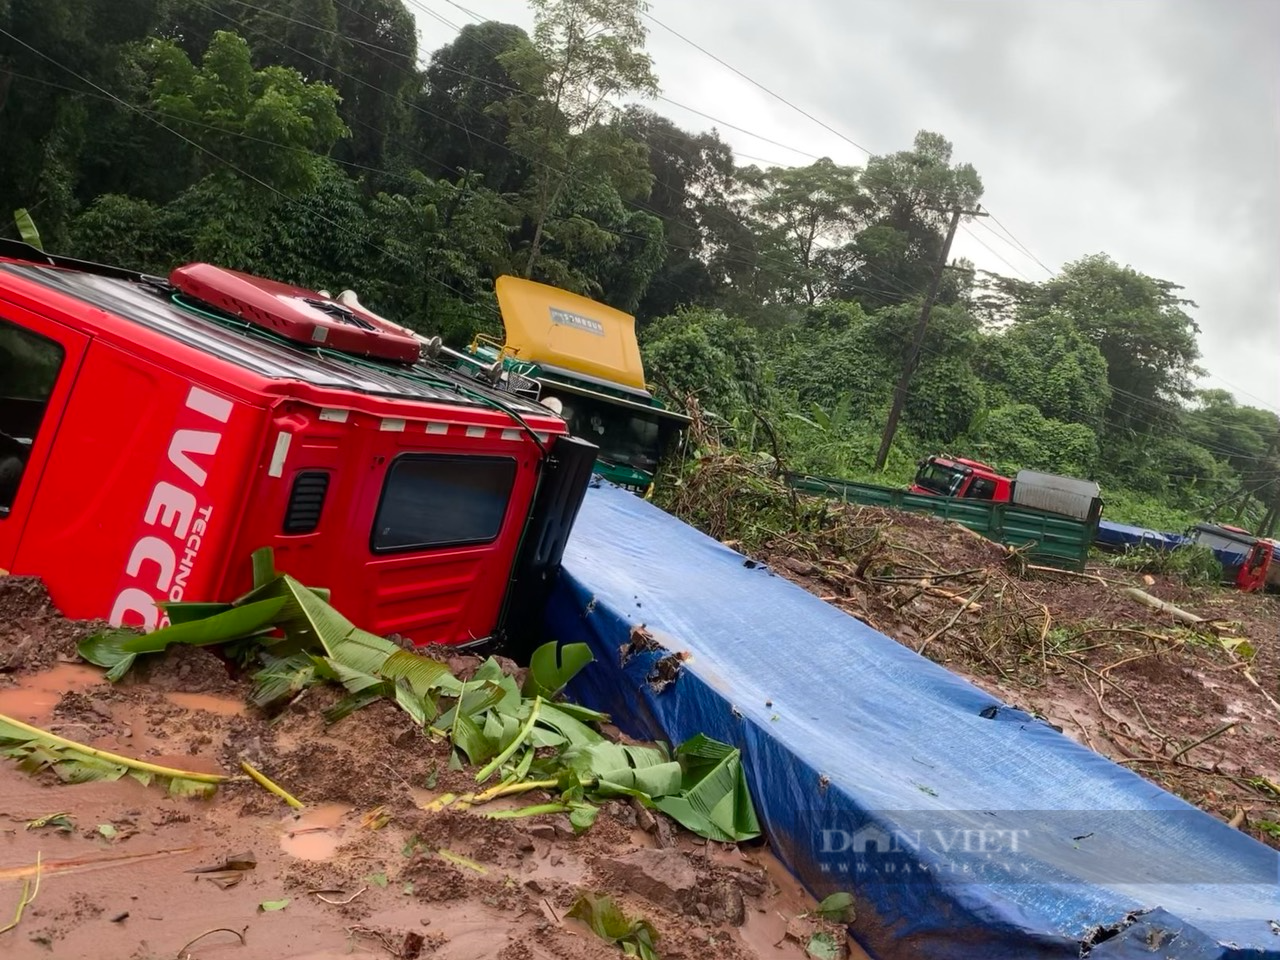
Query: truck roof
571	334
151	303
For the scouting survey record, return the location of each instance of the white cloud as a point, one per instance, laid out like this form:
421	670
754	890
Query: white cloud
1148	130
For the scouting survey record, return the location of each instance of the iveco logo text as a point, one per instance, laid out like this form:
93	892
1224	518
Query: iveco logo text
566	319
176	521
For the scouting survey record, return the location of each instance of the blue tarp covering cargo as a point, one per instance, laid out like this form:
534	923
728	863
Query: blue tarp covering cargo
1113	534
966	829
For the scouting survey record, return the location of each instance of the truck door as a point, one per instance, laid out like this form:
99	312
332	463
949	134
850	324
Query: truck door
38	363
980	488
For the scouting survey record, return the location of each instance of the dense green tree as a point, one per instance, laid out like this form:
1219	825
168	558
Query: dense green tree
911	195
1048	363
364	49
707	355
1141	327
265	124
1018	436
439	245
806	213
583	54
48	100
461	116
693	180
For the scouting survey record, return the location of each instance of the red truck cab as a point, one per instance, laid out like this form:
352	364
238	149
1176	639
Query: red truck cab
155	432
1256	568
958	477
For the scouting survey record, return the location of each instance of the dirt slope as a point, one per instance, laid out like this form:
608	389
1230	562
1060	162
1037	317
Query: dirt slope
1192	707
439	884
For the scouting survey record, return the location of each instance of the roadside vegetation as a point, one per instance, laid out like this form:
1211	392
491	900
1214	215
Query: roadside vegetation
317	144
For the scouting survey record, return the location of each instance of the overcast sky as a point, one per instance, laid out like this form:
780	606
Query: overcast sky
1146	129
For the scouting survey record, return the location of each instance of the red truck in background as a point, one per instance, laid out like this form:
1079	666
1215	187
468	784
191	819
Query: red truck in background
1249	563
155	431
948	476
958	477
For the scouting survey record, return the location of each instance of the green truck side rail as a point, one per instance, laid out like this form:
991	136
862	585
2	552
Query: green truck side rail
1056	540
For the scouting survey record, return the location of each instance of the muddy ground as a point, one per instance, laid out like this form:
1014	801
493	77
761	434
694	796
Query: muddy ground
1127	680
120	878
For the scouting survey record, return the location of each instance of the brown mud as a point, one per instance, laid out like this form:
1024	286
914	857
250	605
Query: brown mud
365	870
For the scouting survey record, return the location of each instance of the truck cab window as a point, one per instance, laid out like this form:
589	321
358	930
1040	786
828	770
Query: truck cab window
29	365
982	488
436	500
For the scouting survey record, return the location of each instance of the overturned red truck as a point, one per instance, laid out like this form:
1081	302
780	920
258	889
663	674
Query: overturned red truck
154	432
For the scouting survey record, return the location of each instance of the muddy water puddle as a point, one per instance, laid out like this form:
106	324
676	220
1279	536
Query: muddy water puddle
222	706
315	833
39	693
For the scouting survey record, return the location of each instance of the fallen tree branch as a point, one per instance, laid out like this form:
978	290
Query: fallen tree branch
1071	573
1206	738
261	780
1157	604
186	946
27	898
971	601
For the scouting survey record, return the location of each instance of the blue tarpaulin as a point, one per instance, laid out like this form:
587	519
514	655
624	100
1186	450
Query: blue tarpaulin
1113	534
966	829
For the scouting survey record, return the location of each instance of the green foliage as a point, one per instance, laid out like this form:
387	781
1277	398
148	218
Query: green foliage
232	110
1048	363
636	937
582	54
1144	510
708	355
779	296
27	228
301	640
1192	563
1017	436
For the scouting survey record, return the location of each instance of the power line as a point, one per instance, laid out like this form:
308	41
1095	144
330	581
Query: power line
1022	246
777	96
119	101
749	133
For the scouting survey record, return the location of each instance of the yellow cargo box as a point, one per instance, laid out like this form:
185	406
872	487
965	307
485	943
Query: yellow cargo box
567	333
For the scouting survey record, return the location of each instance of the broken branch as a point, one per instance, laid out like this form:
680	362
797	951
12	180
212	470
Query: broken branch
271	787
1206	738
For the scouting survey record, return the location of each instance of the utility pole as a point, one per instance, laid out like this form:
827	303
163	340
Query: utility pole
913	359
1244	494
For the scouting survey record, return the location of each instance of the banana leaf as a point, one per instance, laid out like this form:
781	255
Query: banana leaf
106	650
635	937
35	750
470	739
356	701
572	729
188	610
194	624
475	700
282	678
27	228
422	708
591	760
309	620
552	666
713	800
220	628
654	782
585	714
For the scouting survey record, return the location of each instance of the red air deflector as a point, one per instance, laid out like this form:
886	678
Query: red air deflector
295	313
